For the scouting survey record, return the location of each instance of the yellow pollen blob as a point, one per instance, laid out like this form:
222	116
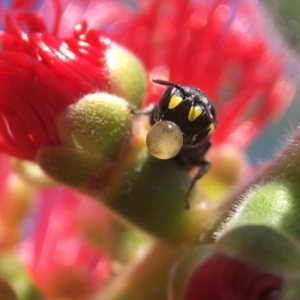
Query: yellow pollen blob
174	101
164	140
194	113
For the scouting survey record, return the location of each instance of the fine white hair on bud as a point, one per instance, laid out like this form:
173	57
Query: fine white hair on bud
164	140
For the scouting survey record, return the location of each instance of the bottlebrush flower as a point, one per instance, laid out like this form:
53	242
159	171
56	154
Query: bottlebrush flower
221	277
222	47
60	260
57	88
254	261
42	75
219	46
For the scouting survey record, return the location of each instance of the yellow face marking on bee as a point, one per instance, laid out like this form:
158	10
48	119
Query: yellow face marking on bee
174	101
212	128
194	113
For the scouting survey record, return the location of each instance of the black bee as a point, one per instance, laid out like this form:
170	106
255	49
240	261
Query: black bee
190	109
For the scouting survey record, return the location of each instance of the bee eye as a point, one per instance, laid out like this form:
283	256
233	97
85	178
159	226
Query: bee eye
164	140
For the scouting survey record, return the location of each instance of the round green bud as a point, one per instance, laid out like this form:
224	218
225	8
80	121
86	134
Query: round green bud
262	246
94	132
98	123
127	75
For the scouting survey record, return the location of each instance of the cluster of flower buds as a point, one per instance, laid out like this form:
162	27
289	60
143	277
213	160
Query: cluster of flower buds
75	79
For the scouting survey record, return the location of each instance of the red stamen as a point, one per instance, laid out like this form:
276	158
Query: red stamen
41	75
219	47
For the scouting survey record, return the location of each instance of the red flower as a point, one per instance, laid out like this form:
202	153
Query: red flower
220	46
221	277
61	262
41	75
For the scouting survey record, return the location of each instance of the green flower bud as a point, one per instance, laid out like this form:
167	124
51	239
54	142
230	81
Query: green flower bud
275	204
127	76
98	123
227	167
267	249
262	246
94	132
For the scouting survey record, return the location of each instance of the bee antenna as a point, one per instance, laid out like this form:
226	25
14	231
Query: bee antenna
169	83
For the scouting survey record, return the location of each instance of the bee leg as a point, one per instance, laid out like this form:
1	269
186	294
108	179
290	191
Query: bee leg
146	111
203	168
152	110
